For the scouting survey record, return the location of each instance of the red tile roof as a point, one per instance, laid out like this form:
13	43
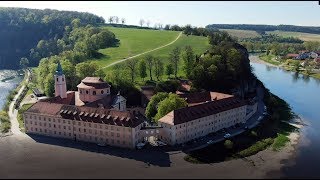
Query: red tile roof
187	114
70	100
202	97
93	82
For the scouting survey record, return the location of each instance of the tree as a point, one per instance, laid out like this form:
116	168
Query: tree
158	64
123	21
143	69
131	65
187	30
110	19
149	61
170	103
175	57
141	22
167	27
148	23
86	69
151	109
189	60
24	62
169	69
228	144
116	19
76	23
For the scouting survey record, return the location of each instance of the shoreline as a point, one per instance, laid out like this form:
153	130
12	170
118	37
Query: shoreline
271	162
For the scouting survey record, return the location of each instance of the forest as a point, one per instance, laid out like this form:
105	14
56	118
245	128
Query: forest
24	32
263	28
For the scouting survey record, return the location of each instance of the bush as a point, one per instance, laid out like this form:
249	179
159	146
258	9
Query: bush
5	122
255	148
279	142
192	159
228	144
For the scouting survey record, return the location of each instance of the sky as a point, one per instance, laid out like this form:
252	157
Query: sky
196	13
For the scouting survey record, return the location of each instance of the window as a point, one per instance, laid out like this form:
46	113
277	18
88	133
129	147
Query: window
94	93
87	92
57	79
78	123
62	79
118	135
54	125
95	126
59	133
69	128
80	91
102	91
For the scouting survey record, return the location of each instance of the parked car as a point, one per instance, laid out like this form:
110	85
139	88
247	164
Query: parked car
140	145
101	144
227	135
210	142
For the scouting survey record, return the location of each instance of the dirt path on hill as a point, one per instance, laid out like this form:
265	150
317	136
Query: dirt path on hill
137	55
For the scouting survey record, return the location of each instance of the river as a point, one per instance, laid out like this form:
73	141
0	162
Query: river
9	79
302	93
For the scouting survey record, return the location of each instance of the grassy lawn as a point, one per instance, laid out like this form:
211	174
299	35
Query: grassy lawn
241	33
300	35
279	142
198	43
269	59
134	41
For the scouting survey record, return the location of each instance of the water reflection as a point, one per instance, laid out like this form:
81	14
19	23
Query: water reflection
295	77
302	93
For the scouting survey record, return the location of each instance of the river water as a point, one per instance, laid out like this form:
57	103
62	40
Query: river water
303	95
11	80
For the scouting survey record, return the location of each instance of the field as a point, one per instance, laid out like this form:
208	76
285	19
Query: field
134	41
241	33
300	35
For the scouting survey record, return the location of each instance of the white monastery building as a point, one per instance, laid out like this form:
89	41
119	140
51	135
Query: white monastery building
93	114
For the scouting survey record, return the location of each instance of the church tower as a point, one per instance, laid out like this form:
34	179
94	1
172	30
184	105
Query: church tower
60	83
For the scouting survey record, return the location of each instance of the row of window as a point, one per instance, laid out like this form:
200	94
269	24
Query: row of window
93	92
79	136
117	128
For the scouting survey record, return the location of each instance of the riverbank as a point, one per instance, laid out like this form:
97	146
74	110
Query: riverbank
6	112
257	59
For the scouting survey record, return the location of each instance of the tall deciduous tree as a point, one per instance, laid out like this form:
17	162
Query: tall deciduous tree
24	62
189	59
149	61
131	65
175	58
158	64
142	69
110	19
141	22
86	69
123	21
169	69
172	102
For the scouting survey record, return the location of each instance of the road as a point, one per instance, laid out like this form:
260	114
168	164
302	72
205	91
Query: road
137	55
14	112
